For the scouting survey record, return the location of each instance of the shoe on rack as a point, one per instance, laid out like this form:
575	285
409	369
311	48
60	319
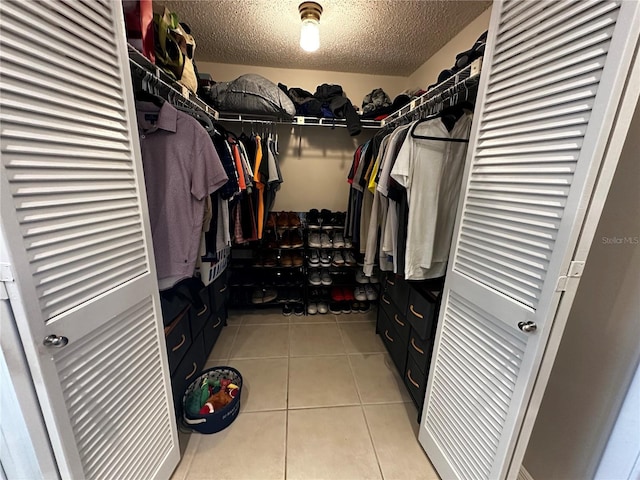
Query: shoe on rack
282	220
294	220
349	259
340	219
257	296
314	278
338	240
314	240
325	219
360	294
347	293
371	293
285	239
361	277
338	260
364	307
345	307
312	308
270	294
325	259
295	295
295	239
325	278
296	260
314	258
285	260
336	294
323	307
313	218
347	243
325	241
287	309
298	309
335	308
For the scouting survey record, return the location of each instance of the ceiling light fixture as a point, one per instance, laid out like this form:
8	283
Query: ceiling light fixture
310	32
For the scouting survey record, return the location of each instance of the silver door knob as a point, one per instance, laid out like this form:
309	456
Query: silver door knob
55	341
527	326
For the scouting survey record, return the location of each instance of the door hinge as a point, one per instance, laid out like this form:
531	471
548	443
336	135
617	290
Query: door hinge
569	282
6	275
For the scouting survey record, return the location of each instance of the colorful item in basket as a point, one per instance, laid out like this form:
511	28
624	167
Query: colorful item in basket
221	398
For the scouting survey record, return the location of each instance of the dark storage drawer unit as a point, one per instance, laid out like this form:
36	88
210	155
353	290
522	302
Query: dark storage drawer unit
192	334
407	317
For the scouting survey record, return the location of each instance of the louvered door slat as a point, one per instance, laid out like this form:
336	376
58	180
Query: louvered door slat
548	89
74	209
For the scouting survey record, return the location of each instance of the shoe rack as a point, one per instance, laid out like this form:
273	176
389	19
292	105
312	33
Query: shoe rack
335	283
271	272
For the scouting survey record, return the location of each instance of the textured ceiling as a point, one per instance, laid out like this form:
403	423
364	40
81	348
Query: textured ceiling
383	37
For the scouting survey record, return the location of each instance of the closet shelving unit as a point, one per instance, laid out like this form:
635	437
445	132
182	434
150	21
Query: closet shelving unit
461	86
157	81
258	267
297	120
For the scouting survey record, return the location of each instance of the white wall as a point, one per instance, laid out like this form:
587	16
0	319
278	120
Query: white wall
599	350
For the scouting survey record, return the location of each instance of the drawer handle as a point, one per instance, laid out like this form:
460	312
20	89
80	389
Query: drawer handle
395	317
386	334
203	311
223	288
385	300
193	372
219	322
390	282
180	344
415	384
413	344
419	315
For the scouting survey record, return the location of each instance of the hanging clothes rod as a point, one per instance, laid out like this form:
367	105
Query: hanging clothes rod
297	120
463	81
153	77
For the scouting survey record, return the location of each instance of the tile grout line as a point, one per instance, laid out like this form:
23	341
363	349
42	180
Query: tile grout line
373	443
286	414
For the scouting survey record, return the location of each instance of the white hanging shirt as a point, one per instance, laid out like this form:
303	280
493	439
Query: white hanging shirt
431	172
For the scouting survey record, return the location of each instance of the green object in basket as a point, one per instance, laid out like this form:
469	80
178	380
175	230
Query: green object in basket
204	393
193	403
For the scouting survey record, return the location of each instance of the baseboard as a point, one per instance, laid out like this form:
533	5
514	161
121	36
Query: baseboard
524	474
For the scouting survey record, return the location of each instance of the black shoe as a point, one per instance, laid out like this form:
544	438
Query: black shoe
287	310
326	218
313	218
298	309
335	308
345	307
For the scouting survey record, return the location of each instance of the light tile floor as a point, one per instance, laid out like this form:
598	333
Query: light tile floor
321	400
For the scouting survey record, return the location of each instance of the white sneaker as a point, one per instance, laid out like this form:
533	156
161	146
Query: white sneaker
325	260
360	294
314	258
325	278
338	260
325	241
338	240
314	240
349	259
314	278
370	292
361	277
323	307
312	308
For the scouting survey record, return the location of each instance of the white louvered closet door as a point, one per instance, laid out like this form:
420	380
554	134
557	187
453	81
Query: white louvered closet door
75	226
552	80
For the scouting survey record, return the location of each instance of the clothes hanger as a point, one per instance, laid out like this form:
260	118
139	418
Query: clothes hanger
447	118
